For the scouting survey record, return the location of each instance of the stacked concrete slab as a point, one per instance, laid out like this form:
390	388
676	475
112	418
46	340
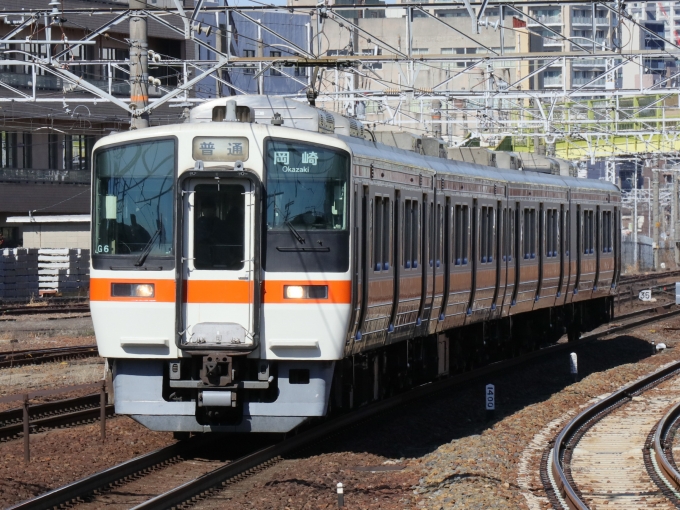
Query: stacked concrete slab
18	273
63	271
27	273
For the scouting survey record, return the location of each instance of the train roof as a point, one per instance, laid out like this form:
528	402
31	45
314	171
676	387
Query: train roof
376	150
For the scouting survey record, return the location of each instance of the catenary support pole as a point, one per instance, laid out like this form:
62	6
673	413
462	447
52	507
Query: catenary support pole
655	217
674	218
139	63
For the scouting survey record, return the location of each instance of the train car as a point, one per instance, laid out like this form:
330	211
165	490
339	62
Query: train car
253	269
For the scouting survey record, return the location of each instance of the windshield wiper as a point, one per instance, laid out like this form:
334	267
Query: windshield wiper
297	235
148	247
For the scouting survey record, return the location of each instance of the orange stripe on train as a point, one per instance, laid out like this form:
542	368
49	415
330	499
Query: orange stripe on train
221	291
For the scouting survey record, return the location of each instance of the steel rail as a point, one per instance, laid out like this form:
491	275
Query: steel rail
660	445
570	435
35	310
57	421
107	478
37	356
49	415
252	462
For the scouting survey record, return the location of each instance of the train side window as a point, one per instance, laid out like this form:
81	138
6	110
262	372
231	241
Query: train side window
529	233
486	235
483	237
462	231
458	233
553	231
440	234
504	234
548	232
376	213
510	232
533	233
407	234
387	234
430	234
606	231
567	230
415	229
411	246
588	233
381	234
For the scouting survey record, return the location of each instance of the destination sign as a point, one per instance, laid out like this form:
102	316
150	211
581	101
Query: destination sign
220	148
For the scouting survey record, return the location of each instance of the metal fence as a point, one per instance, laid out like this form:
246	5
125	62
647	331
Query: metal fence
645	254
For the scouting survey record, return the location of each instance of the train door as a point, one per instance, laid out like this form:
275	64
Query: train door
517	248
437	261
379	297
508	262
219	298
427	246
446	251
460	272
561	247
501	265
541	249
410	276
359	262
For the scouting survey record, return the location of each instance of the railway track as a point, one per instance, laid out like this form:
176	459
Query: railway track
49	415
607	455
661	448
39	310
126	483
37	356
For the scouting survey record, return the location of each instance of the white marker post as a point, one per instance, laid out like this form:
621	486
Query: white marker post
573	366
341	496
490	401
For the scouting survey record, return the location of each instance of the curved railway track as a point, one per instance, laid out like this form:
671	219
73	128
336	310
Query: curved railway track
37	356
102	488
606	454
49	415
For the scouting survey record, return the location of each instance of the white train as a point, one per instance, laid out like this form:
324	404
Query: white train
264	264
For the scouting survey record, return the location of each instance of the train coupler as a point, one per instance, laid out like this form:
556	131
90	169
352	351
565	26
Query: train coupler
216	369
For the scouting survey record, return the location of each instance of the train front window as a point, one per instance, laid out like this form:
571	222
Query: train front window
133	200
306	187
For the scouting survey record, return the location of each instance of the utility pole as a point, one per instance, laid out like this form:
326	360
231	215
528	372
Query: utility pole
260	54
655	217
139	64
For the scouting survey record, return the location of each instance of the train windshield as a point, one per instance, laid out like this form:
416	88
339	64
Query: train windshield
306	186
133	200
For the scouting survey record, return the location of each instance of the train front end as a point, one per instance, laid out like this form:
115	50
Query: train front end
220	278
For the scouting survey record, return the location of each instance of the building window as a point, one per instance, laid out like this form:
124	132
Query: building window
249	54
53	152
272	71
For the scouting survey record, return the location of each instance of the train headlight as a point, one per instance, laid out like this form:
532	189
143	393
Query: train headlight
143	290
305	291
